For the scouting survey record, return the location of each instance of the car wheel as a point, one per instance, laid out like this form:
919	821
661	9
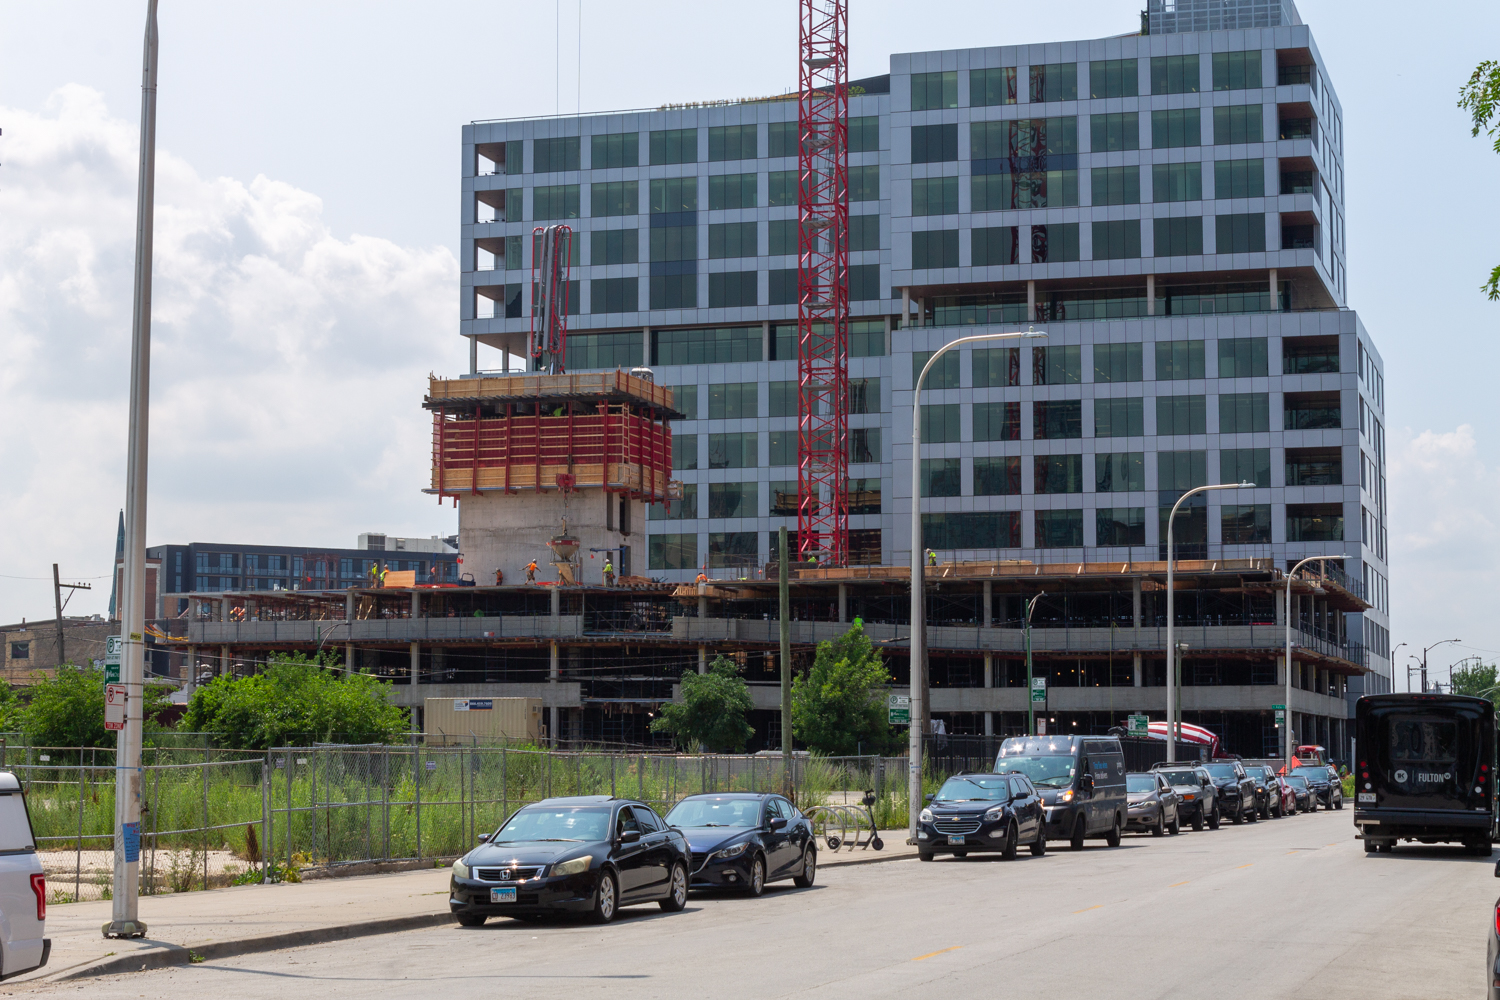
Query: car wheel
1312	805
1176	827
1040	847
1012	841
1160	829
756	883
924	855
1254	814
809	869
1198	821
1238	817
1076	843
1113	837
469	919
1214	819
677	892
606	898
1340	803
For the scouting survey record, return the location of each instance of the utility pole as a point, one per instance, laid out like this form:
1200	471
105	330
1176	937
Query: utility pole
57	589
785	592
125	911
1026	634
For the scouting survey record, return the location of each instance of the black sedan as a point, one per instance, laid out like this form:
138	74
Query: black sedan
588	854
982	812
743	841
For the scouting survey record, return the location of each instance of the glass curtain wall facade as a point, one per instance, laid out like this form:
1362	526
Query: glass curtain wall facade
1168	208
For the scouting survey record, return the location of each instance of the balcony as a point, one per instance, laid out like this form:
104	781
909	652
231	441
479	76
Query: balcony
423	630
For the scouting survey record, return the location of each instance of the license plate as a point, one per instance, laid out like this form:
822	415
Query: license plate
1367	797
955	840
502	895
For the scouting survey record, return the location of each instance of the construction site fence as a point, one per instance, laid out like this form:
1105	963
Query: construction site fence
259	817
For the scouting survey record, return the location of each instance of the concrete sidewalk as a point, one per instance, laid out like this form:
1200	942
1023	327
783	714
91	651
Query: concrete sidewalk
199	926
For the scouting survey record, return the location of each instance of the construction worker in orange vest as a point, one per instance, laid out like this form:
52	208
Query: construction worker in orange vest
531	571
702	577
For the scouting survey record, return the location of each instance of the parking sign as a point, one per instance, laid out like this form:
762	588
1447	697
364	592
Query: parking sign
114	706
1039	689
898	710
1140	725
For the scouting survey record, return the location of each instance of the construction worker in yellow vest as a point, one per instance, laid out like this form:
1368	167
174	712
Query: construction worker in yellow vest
609	572
384	569
531	571
374	574
931	557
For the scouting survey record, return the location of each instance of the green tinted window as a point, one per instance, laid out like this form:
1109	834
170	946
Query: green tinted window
1176	128
1114	78
1174	74
1179	359
1237	70
1176	182
933	91
1111	133
1117	362
1120	472
619	150
733	142
1119	418
678	145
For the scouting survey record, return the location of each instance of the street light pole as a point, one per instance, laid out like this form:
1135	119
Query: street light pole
918	609
1174	726
1424	659
1030	704
125	921
1286	709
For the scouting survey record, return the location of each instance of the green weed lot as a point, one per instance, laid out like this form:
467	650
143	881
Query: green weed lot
229	816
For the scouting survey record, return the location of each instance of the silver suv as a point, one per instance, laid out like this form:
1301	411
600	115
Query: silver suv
23	886
1198	799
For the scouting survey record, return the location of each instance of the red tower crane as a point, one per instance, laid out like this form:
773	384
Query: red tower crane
823	284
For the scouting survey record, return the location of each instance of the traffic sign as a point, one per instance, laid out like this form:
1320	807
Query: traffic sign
114	706
898	710
1140	725
1038	689
112	646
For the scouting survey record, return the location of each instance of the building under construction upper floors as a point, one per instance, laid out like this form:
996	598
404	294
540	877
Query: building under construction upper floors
1166	205
603	659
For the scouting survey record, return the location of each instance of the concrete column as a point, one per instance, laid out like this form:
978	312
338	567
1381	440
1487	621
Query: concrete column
223	609
905	308
765	340
989	723
887	336
989	670
702	659
1135	609
557	602
552	678
1030	301
349	605
416	663
922	311
1275	306
988	618
1150	295
348	657
1137	665
223	661
646	345
843	603
416	604
192	669
473	355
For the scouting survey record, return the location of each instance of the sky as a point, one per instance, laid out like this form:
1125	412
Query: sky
308	195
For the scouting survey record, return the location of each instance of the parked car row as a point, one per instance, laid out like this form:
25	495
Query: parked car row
594	854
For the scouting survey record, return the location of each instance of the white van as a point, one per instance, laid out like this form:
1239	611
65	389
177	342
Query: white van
23	886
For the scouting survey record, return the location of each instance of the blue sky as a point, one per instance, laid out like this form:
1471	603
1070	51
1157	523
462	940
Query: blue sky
311	156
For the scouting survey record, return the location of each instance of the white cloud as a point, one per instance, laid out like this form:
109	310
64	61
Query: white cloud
1445	541
288	364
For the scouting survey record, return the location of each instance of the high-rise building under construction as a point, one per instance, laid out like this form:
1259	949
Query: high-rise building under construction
1167	206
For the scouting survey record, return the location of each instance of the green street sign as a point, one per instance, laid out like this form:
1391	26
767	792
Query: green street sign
111	673
898	710
1038	689
1280	713
112	646
1140	725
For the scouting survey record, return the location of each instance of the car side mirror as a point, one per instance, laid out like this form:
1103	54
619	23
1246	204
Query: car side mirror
1204	782
484	838
928	797
630	837
777	823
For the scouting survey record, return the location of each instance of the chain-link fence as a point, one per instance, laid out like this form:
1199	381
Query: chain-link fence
241	817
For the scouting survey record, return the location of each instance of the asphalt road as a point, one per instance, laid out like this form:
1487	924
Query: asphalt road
1285	908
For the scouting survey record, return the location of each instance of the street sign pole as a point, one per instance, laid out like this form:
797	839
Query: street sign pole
125	910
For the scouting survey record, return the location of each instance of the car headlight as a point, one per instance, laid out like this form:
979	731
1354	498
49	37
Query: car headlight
732	851
925	816
995	814
1065	796
574	866
460	870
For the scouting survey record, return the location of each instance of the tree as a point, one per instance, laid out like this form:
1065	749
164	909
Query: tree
1477	680
295	700
67	710
838	707
711	712
1481	98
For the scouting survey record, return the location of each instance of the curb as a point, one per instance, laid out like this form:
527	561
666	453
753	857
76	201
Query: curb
163	955
871	860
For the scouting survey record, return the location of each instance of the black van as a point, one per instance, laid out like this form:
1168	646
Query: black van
1081	779
1425	770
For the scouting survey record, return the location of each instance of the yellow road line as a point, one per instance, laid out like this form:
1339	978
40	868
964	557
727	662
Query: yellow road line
1294	852
1237	867
1176	884
1088	908
940	951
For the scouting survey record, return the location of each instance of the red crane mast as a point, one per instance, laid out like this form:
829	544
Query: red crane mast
823	284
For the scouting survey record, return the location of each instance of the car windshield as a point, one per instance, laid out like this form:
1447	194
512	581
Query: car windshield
1052	771
541	823
1298	780
1258	773
1311	773
1181	777
1139	783
1221	770
715	810
974	788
